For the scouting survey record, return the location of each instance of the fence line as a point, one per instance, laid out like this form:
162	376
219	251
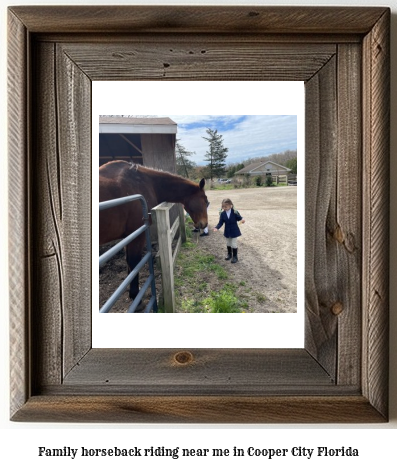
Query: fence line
152	304
292	179
166	235
280	179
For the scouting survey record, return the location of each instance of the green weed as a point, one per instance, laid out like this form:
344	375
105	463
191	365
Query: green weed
222	301
196	272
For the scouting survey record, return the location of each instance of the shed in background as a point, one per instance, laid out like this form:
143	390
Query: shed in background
264	168
146	141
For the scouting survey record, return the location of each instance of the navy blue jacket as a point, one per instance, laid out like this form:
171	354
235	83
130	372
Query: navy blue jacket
231	227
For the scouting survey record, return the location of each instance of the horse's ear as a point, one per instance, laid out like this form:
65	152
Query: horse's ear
202	183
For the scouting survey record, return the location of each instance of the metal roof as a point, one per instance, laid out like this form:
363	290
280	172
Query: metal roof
128	120
125	125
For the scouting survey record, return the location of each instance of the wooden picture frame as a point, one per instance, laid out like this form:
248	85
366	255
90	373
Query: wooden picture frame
342	54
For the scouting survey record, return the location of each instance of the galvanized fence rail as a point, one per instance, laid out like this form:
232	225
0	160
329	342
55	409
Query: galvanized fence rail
105	257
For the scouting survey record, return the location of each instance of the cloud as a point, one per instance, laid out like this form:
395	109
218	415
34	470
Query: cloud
246	136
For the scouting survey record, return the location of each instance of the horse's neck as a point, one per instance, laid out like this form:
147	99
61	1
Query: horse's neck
172	189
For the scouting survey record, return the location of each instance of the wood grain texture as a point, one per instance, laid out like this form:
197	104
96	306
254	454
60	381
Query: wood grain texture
19	224
249	369
346	227
195	39
376	167
73	90
196	19
151	143
226	58
321	276
47	315
333	215
341	376
161	215
62	255
199	409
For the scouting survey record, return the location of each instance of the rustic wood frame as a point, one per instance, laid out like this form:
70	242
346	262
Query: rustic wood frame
343	56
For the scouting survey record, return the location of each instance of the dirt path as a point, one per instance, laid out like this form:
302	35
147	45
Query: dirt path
267	248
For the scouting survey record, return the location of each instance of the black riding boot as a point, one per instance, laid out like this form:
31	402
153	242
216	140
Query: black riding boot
229	253
234	259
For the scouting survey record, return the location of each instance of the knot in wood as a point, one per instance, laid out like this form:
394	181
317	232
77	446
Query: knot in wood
338	235
337	308
183	358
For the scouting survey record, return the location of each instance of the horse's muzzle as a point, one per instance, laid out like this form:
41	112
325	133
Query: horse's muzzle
202	225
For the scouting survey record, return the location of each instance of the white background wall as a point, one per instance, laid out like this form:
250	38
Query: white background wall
20	442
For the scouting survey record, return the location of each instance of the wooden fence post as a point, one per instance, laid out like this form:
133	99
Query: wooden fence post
182	227
162	212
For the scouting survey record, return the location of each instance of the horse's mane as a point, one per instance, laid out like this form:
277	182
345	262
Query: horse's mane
150	170
118	168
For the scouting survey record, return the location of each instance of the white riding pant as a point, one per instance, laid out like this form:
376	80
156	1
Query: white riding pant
232	242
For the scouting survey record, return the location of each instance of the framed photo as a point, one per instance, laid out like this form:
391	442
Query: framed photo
342	56
261	289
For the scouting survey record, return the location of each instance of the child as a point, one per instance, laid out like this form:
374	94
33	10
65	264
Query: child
230	217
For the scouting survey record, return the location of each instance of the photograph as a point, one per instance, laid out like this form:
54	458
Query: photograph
227	186
236	157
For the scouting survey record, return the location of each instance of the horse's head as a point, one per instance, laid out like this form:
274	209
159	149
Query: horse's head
196	205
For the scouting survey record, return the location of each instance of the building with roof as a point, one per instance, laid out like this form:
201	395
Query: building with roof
146	141
264	168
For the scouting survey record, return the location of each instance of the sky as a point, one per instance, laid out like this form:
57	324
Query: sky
246	136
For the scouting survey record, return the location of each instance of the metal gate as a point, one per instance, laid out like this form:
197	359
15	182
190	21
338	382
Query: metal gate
152	304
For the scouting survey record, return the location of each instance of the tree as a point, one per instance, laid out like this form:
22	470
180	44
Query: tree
216	155
293	165
183	164
269	180
203	172
232	169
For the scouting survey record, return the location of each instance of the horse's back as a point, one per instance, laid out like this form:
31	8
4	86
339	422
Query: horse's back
112	173
118	179
113	169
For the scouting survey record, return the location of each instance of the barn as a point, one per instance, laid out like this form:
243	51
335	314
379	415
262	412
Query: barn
264	168
146	141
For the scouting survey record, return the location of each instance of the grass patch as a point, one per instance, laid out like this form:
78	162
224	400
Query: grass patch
201	283
191	261
223	301
217	186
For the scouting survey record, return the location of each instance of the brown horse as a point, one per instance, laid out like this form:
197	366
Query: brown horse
118	179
